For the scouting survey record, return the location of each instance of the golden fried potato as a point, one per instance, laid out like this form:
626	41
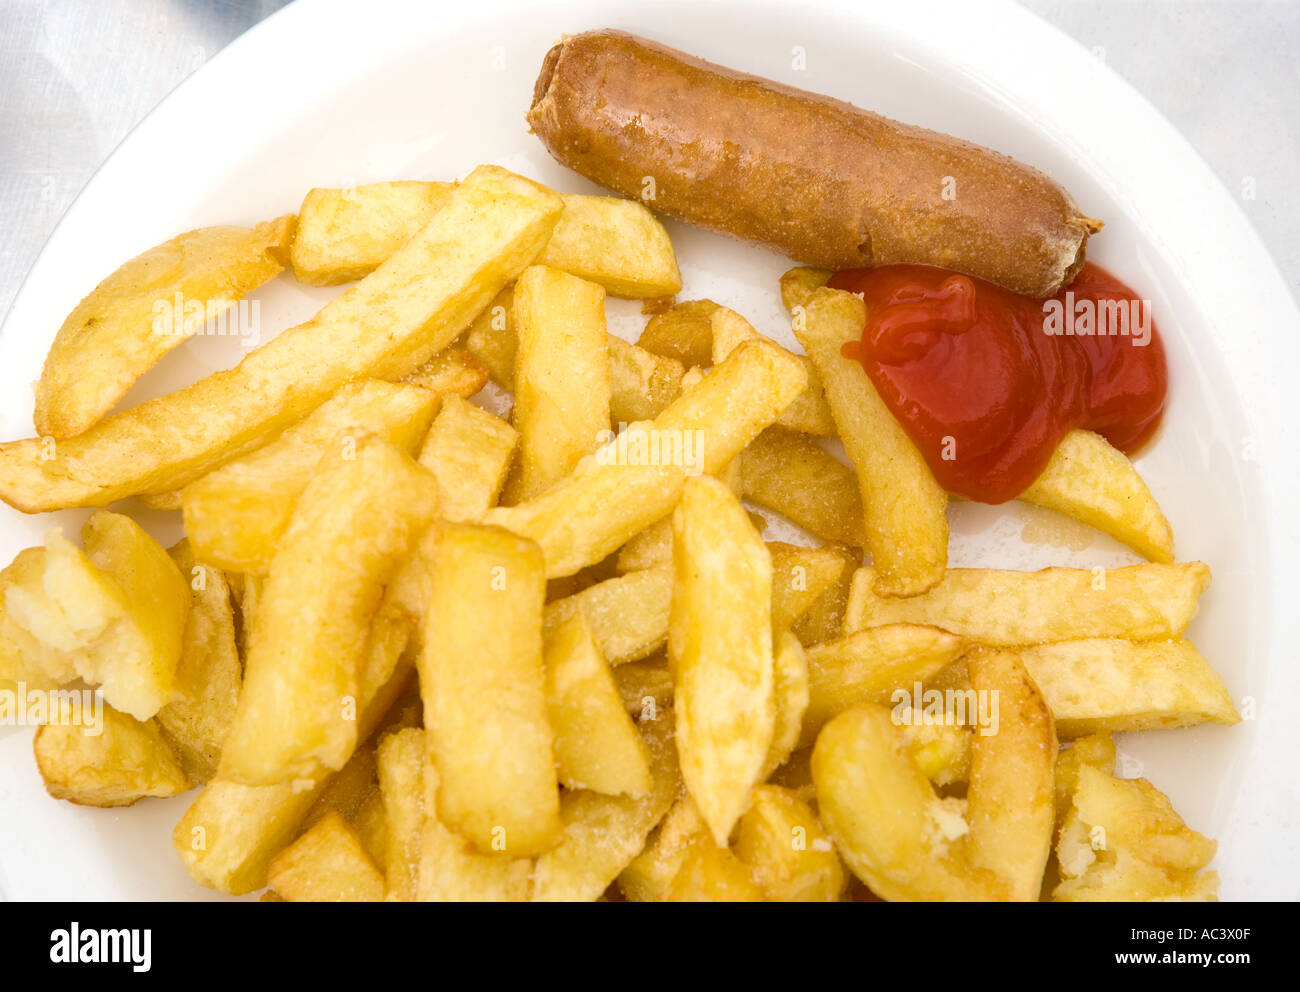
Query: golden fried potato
794	475
904	507
642	384
720	651
893	831
146	308
231	831
1089	480
451	372
1122	842
867	666
645	687
235	515
485	696
1011	800
111	761
561	377
401	781
386	326
791	693
114	614
602	833
345	234
615	243
801	576
209	674
326	864
1114	684
628	615
1005	608
799	284
786	850
468	450
609	499
809	413
683	332
298	709
597	746
649	875
713	874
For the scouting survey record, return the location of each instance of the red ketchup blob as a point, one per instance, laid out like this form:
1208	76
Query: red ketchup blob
986	382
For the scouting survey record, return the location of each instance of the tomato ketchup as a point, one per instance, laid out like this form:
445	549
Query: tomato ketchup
987	382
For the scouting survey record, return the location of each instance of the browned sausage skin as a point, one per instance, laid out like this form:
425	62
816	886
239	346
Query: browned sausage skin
811	177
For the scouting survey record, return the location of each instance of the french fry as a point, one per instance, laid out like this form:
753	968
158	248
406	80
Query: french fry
1006	609
386	326
347	790
916	852
1097	750
683	332
297	710
235	515
941	750
326	864
209	674
371	825
1114	684
653	547
786	849
451	372
824	619
794	475
903	506
799	284
604	503
791	693
615	243
1011	799
1089	480
345	234
452	871
24	661
867	666
648	876
628	615
602	833
492	340
1122	840
597	746
468	450
642	383
809	412
485	698
645	687
801	576
561	377
231	831
720	651
114	760
115	613
710	873
401	781
146	308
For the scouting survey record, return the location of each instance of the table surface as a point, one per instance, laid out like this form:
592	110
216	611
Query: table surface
77	75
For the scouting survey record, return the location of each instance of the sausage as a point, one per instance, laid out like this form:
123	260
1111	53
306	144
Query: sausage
809	176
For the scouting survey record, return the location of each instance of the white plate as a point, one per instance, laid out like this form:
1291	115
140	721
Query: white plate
328	92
